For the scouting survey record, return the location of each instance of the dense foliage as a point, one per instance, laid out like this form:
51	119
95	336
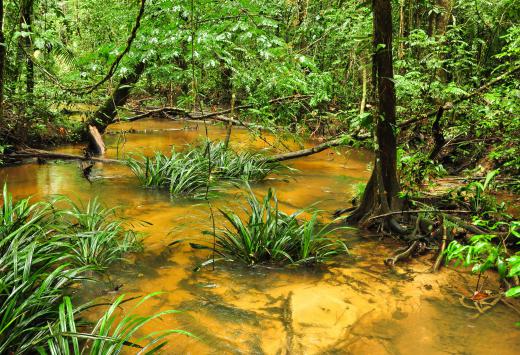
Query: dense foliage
199	53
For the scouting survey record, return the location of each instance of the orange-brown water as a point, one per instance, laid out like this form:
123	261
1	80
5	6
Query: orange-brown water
355	306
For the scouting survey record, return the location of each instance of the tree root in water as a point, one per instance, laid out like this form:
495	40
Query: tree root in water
440	256
405	254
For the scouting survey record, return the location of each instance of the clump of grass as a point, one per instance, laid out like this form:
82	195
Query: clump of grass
189	172
43	251
268	235
95	236
179	173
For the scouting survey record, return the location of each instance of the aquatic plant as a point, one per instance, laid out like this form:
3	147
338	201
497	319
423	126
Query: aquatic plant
41	256
187	173
179	173
109	335
94	236
268	235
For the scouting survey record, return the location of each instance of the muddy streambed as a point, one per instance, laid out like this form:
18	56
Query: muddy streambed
355	305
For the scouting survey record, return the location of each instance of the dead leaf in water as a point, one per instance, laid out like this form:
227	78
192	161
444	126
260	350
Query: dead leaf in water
479	296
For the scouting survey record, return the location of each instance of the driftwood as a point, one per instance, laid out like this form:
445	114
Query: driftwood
44	154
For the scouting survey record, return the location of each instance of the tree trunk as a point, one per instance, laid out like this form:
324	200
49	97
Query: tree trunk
26	19
381	193
105	114
3	50
302	10
442	19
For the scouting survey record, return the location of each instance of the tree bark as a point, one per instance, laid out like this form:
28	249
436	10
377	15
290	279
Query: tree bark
381	193
442	19
3	50
440	22
26	19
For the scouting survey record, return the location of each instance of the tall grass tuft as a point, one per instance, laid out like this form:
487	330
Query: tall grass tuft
187	173
43	250
95	236
268	235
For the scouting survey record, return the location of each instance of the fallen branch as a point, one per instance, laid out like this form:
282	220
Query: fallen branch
43	154
218	115
306	152
176	110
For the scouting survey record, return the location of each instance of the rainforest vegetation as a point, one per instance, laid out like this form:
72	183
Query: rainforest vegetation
253	112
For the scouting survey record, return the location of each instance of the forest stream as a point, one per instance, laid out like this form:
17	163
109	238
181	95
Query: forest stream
355	304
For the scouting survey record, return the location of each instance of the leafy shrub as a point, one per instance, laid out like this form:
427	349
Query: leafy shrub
268	235
94	236
475	196
489	251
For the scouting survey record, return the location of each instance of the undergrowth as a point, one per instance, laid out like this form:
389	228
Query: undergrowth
43	251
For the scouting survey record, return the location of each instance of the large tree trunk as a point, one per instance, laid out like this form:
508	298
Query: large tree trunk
442	19
3	51
381	193
107	112
26	19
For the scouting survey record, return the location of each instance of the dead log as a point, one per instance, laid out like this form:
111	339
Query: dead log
44	154
175	110
218	115
96	144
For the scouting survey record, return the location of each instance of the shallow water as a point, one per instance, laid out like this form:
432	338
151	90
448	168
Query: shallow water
355	305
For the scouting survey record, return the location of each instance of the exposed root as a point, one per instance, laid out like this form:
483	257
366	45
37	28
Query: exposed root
340	212
440	256
510	305
405	254
484	306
